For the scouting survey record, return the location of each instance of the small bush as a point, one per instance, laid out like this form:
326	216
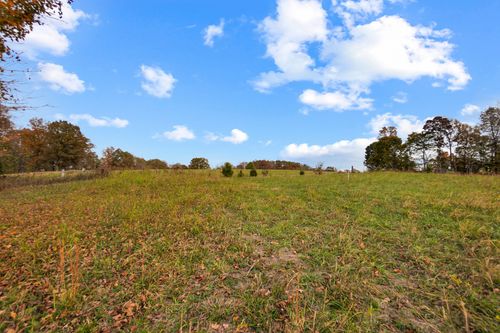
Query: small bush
227	170
265	173
302	172
241	174
253	173
319	169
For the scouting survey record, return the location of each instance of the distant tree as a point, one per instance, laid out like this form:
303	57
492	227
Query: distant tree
90	161
35	144
179	166
156	164
273	165
264	164
10	141
387	132
227	169
199	163
420	145
6	124
319	168
469	148
442	132
123	159
11	153
302	172
490	126
67	146
388	152
106	162
253	173
140	163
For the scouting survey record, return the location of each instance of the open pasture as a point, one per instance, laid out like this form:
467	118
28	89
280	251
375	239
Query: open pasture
192	251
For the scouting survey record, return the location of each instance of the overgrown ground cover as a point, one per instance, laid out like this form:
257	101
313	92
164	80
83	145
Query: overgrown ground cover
195	252
45	178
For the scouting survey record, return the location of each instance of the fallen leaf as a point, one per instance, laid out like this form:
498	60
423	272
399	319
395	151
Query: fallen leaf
129	308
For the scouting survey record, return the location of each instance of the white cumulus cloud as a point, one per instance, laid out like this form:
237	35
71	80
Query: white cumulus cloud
179	133
355	56
405	124
470	110
213	31
156	82
335	100
297	23
391	48
59	79
343	153
237	136
51	37
351	10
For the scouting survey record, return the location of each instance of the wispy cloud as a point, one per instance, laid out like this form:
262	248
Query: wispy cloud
213	31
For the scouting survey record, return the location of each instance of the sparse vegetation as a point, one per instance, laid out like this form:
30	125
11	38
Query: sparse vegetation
380	252
46	178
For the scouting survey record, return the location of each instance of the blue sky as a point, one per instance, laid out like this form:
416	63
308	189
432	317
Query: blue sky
303	80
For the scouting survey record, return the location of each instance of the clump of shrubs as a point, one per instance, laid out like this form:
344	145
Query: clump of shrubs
265	173
253	173
319	169
302	172
241	174
227	170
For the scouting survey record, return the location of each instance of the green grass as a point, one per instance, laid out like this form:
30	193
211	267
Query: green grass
194	251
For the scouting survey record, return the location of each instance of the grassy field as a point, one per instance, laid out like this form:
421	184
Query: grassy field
45	178
195	252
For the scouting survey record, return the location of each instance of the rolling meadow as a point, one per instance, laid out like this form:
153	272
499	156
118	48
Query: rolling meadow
192	251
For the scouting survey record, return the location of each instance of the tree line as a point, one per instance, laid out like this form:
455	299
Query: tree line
442	145
272	165
59	145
